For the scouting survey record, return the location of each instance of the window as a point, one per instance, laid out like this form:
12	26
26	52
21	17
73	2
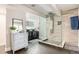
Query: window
32	21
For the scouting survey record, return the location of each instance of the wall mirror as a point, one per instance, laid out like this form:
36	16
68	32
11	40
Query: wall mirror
17	23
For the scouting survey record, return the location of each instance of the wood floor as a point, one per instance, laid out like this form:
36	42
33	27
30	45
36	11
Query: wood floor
38	48
2	49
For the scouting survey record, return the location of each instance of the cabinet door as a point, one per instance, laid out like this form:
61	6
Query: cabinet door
20	41
25	39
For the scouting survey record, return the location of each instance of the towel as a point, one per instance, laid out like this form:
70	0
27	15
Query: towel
74	22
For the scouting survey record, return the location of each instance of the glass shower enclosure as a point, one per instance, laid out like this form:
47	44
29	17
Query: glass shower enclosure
51	30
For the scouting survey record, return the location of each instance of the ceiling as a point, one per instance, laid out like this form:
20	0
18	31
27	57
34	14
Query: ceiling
42	8
65	7
45	8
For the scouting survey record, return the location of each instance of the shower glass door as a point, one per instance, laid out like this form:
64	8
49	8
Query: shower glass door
51	29
42	28
55	37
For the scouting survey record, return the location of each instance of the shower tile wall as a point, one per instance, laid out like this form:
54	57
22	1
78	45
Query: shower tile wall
57	29
56	35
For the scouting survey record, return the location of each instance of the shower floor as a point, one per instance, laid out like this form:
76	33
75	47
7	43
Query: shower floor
51	42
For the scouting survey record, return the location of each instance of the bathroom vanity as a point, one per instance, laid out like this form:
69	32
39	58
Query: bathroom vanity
19	37
19	40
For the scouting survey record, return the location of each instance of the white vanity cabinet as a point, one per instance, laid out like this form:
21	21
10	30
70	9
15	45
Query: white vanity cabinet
19	40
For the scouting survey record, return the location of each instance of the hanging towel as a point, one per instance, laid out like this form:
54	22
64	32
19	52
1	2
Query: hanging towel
74	22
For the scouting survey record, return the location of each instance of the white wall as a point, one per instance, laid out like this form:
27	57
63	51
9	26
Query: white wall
2	26
69	35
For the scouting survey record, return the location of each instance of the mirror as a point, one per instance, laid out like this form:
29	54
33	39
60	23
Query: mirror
17	23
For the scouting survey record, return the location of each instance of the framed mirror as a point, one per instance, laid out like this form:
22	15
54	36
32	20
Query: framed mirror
17	23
